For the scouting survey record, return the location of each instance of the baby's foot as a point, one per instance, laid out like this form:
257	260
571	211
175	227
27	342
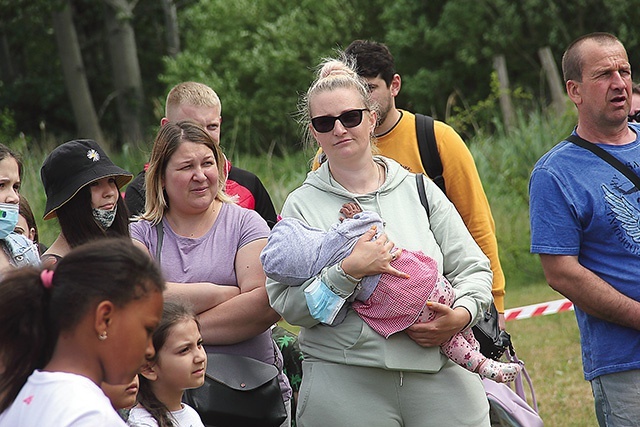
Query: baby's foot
499	372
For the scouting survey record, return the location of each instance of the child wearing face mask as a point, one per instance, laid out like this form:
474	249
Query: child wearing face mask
17	250
83	191
27	224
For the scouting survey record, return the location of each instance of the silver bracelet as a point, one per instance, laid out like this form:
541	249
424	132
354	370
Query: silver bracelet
349	277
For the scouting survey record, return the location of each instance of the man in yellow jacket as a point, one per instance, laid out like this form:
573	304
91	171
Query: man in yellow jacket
397	138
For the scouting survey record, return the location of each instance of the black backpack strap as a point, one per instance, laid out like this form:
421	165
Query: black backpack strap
429	150
607	157
421	192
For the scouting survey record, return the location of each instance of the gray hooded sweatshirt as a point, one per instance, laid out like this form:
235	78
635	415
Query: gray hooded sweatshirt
442	236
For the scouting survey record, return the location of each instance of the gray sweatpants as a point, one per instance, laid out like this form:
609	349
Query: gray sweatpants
340	395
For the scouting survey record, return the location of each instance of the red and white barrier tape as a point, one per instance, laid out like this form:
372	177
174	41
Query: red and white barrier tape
540	309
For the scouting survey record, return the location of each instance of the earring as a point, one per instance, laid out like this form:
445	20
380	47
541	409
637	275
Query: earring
102	336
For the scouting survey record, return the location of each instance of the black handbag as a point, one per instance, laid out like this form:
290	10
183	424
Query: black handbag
493	341
238	391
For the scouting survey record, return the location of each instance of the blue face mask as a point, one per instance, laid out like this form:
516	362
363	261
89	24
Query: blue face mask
8	218
323	303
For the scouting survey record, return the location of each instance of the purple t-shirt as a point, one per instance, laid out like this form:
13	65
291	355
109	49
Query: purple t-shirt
210	258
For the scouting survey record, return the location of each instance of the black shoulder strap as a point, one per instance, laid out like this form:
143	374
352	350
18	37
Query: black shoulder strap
607	157
421	192
429	150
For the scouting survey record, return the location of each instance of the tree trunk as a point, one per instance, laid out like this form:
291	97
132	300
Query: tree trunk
558	98
126	69
75	79
7	73
500	65
171	27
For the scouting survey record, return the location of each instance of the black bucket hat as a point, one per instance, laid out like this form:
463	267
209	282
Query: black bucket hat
73	165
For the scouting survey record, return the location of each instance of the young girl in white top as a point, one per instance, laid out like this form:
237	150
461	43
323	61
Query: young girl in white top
179	364
64	332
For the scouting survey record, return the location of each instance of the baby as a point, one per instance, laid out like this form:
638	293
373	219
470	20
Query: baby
388	304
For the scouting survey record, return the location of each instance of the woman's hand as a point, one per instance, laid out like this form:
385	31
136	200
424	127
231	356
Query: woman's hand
447	323
370	257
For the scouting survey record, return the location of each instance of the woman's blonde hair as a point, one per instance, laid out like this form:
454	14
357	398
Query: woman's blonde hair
332	74
169	138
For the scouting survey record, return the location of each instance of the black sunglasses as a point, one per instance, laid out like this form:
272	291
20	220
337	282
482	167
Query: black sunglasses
349	119
635	117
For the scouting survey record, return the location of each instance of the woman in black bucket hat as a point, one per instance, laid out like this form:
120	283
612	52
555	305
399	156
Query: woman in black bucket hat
83	191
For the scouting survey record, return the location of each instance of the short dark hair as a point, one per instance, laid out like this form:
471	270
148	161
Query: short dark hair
372	59
572	61
26	211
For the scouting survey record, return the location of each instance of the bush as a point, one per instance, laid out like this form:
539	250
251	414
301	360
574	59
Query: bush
505	161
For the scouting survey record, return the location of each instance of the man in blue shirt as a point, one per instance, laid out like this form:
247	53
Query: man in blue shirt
585	224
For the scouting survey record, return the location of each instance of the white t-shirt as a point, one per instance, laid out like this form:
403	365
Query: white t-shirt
185	417
60	399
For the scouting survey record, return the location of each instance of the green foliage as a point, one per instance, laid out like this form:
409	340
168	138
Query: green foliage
480	118
260	54
35	89
259	57
7	125
505	161
280	174
550	347
445	50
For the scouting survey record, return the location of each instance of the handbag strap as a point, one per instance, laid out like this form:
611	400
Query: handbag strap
519	385
607	157
160	239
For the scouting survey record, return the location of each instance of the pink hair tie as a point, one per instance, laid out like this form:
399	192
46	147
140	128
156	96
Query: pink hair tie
47	278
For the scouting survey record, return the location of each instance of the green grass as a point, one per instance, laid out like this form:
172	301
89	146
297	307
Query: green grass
550	348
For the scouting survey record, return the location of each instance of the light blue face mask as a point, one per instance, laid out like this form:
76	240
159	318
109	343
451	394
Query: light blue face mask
323	303
8	218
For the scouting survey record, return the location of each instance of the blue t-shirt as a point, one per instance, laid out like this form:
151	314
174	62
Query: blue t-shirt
582	206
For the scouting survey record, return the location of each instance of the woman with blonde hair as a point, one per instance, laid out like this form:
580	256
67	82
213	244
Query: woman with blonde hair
403	380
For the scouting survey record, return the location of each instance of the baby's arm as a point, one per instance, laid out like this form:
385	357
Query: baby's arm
349	210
